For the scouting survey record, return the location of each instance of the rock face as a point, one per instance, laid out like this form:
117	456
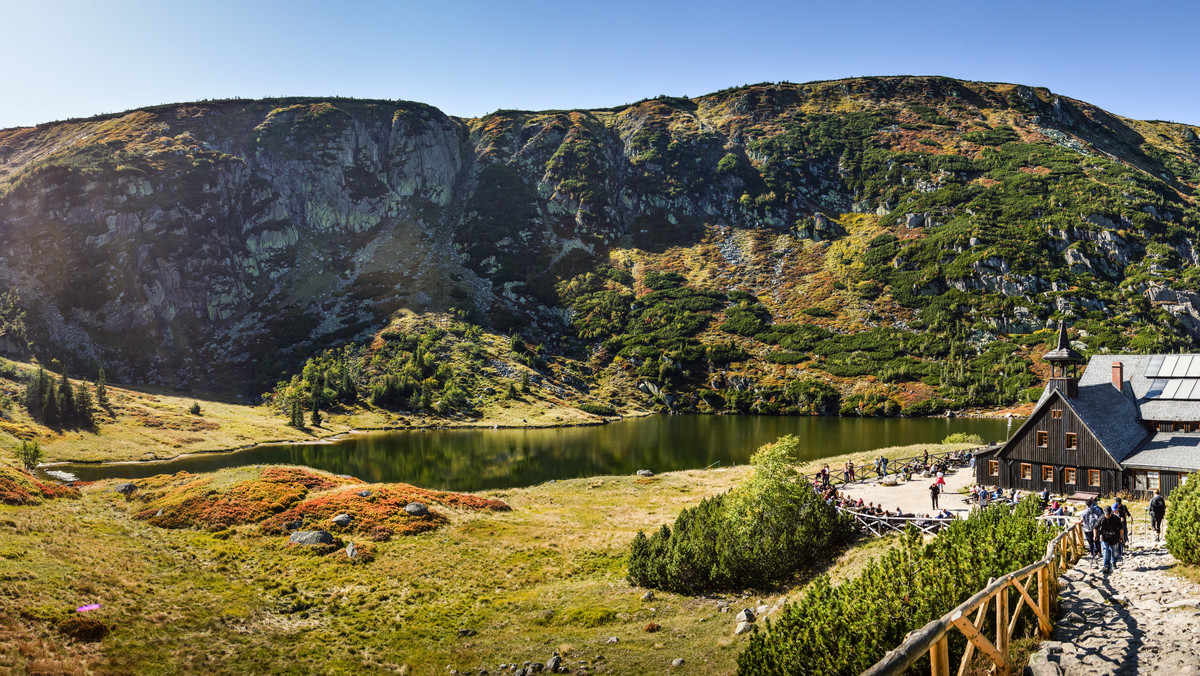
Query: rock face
208	244
311	537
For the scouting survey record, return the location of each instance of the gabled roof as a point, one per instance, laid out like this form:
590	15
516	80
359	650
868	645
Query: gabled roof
1168	450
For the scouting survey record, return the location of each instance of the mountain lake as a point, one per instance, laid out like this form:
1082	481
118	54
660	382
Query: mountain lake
477	459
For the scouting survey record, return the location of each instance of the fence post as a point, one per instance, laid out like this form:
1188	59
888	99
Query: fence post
939	657
1002	628
1044	598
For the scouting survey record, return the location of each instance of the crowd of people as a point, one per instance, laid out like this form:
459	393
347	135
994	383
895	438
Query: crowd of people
1106	529
848	503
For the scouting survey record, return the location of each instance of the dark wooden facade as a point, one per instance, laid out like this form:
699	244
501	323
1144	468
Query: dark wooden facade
1022	462
1142	486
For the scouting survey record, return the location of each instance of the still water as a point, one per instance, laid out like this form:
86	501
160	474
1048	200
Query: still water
476	459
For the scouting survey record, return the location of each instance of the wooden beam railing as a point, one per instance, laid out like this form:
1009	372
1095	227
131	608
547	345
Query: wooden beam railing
837	475
882	525
933	638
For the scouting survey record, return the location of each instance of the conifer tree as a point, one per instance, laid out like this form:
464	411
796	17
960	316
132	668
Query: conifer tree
50	411
66	401
83	407
101	389
35	395
316	411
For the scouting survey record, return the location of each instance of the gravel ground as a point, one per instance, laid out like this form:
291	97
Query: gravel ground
913	497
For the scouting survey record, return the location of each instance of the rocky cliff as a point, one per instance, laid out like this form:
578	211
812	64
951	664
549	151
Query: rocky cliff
218	243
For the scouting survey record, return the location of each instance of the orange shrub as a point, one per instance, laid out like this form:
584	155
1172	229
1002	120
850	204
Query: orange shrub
18	487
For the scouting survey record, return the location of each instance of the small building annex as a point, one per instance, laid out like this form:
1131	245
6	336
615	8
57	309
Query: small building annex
1127	423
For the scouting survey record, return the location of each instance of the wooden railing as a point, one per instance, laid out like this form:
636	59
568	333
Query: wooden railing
882	525
933	638
837	474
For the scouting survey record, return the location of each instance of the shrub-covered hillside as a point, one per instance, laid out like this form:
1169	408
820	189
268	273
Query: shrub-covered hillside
871	246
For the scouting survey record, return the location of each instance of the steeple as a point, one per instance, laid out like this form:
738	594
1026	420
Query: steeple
1064	365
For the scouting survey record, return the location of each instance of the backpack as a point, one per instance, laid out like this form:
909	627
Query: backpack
1158	505
1090	518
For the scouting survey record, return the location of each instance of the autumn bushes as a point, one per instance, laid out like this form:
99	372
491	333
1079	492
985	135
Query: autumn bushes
278	496
18	487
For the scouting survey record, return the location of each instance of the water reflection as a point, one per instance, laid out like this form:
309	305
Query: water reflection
488	458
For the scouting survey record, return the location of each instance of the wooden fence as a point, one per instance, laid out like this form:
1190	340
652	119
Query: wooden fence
882	525
933	638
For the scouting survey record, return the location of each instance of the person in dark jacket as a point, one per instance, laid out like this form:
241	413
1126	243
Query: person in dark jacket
1111	534
1122	513
934	489
1158	509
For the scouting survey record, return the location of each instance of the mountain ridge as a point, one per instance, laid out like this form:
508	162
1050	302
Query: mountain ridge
213	244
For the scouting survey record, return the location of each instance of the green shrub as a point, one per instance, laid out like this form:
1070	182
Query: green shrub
598	409
817	312
758	534
924	407
589	617
786	357
847	628
963	438
1183	521
813	397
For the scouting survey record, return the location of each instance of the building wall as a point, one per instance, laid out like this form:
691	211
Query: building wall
1167	482
1023	448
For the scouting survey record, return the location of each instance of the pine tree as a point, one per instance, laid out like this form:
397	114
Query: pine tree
66	401
83	407
316	412
50	411
34	399
101	389
297	420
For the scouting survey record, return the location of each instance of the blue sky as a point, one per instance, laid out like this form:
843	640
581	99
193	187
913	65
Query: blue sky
76	58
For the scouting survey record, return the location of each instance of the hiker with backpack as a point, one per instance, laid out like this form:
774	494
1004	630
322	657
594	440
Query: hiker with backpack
1091	519
1112	533
1158	509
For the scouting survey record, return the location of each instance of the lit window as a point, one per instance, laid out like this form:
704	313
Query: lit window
1026	471
1072	441
1093	477
1056	414
1069	475
993	468
1043	439
1047	473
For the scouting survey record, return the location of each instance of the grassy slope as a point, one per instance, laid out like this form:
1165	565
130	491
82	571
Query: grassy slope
544	577
148	423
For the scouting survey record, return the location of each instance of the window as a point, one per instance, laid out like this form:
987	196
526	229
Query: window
1069	475
1093	477
1166	427
993	468
1043	439
1071	441
1048	473
1026	471
1056	414
1152	481
1139	481
1180	427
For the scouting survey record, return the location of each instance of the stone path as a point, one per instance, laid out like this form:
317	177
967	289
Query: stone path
1136	620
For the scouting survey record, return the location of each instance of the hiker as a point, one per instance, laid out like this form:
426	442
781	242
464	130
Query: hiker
1122	512
934	489
1157	509
885	464
825	476
879	466
849	471
1111	534
1091	522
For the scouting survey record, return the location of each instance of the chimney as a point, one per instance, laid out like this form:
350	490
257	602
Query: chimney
1118	374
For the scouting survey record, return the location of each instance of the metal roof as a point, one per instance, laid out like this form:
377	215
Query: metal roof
1168	450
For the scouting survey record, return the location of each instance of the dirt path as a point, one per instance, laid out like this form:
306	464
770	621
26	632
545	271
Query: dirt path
1136	620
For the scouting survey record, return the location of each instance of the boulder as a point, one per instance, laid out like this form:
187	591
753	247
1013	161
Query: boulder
311	537
743	627
677	662
553	663
645	472
125	489
351	550
294	525
746	615
364	494
648	596
612	639
342	520
416	509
